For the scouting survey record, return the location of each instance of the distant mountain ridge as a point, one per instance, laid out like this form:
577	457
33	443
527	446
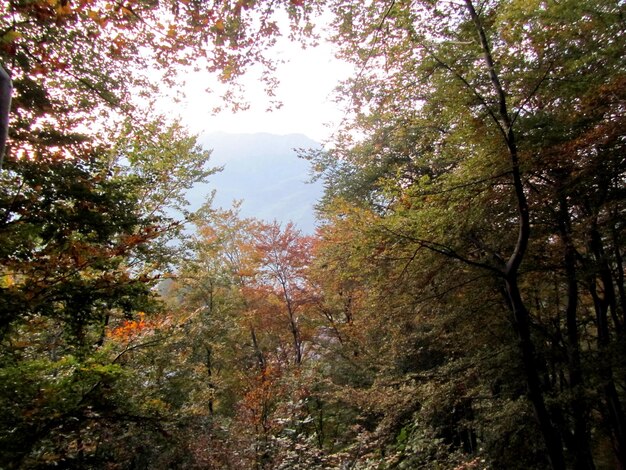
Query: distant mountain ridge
264	171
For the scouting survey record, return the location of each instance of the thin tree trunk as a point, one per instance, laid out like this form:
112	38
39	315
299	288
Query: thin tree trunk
521	315
619	267
209	372
551	437
616	417
583	458
257	351
293	324
6	89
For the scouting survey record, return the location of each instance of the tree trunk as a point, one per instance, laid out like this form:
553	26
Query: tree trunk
615	413
293	323
581	449
257	350
6	89
551	437
521	315
209	372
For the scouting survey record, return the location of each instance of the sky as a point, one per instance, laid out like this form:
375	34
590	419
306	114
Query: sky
306	84
307	80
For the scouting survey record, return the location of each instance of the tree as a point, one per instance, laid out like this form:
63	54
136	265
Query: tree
70	238
77	63
283	260
467	291
6	88
80	256
245	290
88	190
402	353
469	114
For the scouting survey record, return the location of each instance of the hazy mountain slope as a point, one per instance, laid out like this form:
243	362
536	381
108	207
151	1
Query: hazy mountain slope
263	171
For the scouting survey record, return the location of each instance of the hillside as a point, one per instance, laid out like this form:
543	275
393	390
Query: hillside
264	171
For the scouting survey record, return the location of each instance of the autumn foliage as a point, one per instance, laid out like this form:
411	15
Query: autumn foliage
461	305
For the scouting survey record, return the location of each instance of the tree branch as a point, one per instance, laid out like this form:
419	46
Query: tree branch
6	89
444	250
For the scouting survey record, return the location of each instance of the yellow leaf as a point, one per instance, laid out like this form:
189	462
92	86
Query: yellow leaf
7	281
11	36
62	10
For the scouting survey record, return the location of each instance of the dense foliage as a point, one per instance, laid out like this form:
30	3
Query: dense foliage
462	304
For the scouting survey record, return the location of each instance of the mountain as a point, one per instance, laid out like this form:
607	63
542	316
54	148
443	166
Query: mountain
264	171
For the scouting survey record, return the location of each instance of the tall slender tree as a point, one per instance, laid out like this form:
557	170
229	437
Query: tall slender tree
476	127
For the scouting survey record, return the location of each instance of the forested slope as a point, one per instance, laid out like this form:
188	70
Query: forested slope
462	304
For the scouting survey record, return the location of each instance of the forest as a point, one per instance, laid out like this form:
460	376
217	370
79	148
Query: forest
460	306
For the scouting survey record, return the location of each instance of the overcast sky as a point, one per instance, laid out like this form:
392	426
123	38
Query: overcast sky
307	82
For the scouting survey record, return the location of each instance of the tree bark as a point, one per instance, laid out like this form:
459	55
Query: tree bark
6	88
209	372
257	350
615	413
551	437
293	321
521	315
581	449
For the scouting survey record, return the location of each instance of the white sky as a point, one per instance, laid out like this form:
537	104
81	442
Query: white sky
306	84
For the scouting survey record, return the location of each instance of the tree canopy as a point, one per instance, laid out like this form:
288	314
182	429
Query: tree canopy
460	306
